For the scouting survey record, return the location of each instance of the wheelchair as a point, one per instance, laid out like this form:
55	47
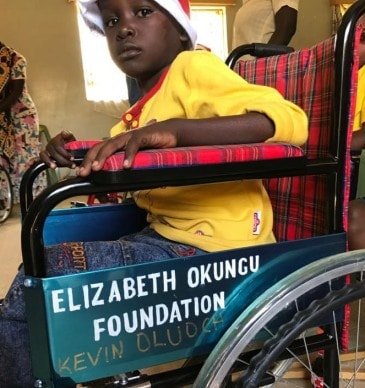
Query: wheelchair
246	317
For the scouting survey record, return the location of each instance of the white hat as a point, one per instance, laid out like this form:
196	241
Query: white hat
178	9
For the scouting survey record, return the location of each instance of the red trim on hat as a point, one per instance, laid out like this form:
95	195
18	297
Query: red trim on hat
185	5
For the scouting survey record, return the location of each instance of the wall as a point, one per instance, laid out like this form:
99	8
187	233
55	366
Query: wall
45	32
314	23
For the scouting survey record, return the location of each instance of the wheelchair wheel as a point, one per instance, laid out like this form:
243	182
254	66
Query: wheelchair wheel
6	195
252	351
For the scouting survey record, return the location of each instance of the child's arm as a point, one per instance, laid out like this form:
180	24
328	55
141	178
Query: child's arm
240	129
358	140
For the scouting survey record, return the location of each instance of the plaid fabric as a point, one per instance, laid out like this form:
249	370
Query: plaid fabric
81	144
192	156
305	77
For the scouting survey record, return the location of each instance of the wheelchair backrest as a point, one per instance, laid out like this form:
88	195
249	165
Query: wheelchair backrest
302	205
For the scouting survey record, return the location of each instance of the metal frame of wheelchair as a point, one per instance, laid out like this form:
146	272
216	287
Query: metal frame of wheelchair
94	324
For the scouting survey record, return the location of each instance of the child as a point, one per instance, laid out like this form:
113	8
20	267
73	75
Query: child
190	97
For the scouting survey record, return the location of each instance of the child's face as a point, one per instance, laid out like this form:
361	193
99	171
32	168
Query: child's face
143	40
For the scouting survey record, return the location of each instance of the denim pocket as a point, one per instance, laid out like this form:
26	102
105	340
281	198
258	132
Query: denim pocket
183	250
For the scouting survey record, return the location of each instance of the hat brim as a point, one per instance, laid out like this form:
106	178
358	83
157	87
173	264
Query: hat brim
90	12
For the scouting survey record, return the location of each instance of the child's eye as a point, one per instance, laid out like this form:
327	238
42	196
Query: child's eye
144	12
111	22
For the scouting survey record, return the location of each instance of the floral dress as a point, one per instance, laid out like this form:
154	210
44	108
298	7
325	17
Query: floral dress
25	122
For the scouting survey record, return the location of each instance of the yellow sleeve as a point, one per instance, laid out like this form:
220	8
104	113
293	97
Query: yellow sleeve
211	89
359	118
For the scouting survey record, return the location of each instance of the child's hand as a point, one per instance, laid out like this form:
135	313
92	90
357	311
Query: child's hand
55	154
159	135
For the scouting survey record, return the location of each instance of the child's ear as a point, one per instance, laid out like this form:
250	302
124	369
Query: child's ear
184	38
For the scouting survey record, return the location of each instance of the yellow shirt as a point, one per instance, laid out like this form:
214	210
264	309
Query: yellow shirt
221	215
359	117
344	8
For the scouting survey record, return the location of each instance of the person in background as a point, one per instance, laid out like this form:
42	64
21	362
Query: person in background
19	124
189	98
265	21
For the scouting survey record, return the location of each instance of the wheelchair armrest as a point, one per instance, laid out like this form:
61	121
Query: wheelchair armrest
205	163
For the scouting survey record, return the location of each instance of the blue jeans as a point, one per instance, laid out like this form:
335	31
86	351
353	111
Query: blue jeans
66	258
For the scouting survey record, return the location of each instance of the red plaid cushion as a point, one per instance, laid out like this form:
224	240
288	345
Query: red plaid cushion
192	156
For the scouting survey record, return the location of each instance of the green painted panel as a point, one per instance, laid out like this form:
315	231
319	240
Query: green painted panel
118	320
